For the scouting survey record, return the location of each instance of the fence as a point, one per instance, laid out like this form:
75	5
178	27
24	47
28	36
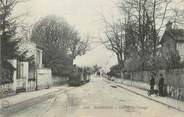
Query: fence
174	81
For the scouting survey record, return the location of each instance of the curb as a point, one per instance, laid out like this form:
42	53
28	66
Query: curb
169	106
13	108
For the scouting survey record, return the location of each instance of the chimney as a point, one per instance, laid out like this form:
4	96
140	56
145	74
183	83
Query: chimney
169	25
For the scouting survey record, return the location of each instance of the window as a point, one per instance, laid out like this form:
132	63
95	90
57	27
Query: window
180	49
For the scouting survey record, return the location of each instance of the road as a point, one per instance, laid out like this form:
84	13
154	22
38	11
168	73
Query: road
97	98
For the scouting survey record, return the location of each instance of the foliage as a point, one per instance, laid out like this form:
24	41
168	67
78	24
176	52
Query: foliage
58	61
7	73
53	30
115	39
144	21
173	61
115	71
160	62
60	43
76	45
8	37
8	28
96	68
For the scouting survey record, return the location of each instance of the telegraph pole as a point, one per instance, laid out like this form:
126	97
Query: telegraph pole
0	55
36	68
2	30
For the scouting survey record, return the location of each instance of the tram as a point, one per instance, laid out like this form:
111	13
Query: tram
79	76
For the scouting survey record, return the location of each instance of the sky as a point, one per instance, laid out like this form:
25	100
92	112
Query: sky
84	15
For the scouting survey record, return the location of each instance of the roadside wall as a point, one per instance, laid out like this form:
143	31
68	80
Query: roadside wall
59	80
174	81
44	78
31	86
7	90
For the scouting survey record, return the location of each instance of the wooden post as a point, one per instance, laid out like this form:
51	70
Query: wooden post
0	55
131	77
36	75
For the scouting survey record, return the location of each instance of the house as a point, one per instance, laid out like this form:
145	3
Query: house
172	42
27	75
31	76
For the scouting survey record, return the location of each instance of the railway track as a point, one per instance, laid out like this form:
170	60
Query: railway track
11	109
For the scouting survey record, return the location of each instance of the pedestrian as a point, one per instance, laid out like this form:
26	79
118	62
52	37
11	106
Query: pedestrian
161	85
152	84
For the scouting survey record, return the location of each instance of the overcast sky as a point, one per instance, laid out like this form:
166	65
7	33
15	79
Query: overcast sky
85	15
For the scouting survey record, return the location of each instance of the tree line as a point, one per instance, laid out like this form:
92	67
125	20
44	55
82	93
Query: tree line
9	39
135	38
59	40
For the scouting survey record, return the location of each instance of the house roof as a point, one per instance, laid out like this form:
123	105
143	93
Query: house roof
176	34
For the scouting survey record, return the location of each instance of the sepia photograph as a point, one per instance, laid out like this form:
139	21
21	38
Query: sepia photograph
91	58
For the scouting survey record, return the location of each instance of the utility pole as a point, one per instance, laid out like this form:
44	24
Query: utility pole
36	68
1	33
2	30
0	55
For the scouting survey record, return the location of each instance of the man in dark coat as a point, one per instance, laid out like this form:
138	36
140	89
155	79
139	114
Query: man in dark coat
152	84
161	85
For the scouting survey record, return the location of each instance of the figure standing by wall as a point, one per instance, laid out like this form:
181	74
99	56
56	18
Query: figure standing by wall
152	84
161	85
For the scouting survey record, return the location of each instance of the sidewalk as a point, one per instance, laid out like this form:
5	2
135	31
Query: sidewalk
24	96
171	103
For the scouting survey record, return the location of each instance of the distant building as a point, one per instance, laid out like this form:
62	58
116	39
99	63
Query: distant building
173	41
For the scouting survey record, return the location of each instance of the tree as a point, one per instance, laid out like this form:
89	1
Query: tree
96	68
59	41
51	34
177	17
8	31
115	71
9	40
115	39
142	25
57	60
78	46
173	61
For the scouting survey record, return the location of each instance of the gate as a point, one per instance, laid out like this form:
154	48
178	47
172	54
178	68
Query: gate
22	76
